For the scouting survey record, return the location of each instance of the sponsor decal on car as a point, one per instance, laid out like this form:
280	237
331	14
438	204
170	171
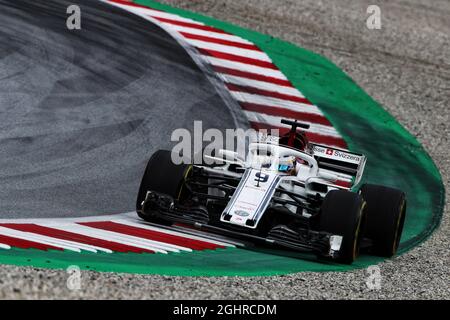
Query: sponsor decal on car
347	156
241	213
251	197
336	154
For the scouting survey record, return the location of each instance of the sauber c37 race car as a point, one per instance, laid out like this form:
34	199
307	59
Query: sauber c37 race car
292	194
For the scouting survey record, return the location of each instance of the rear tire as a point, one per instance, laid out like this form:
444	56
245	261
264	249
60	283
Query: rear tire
342	213
162	176
386	211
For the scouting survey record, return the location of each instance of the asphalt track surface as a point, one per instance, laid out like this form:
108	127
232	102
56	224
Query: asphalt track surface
404	66
82	111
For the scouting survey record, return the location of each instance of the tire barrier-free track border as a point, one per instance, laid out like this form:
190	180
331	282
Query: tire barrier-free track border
275	79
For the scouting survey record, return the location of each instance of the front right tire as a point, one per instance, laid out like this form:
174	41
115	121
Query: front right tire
386	211
342	213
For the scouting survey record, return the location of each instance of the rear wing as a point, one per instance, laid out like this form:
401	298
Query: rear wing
348	165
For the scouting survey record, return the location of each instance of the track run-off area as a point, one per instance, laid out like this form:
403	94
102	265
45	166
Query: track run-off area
238	78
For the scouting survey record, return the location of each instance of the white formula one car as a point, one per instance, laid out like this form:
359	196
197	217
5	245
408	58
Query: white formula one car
293	194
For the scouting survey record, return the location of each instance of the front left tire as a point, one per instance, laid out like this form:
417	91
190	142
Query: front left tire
386	212
161	176
342	213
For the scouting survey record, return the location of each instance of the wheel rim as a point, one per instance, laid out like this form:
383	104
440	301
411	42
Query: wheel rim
186	175
397	227
358	232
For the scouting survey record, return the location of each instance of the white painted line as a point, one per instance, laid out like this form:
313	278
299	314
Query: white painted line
115	237
4	246
229	49
79	244
245	67
134	241
260	85
211	34
50	222
38	238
